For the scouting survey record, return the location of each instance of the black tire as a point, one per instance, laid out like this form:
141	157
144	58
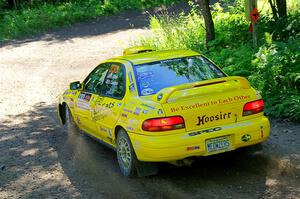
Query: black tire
126	156
252	149
69	121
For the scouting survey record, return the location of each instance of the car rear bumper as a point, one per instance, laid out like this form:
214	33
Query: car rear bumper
188	144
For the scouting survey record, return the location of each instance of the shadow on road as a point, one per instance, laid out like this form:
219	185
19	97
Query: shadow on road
102	25
41	158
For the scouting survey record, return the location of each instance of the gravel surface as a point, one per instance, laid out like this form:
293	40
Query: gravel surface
39	159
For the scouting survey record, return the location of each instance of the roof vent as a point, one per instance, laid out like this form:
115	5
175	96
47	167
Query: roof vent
137	50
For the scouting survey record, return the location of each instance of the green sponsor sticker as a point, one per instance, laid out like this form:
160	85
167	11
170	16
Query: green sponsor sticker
246	137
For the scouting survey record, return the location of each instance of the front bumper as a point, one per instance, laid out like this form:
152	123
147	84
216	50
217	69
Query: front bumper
182	145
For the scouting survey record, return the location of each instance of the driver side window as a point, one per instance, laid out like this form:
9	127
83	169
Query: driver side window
114	84
96	78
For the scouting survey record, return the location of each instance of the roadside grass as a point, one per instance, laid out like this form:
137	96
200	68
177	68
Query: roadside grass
273	68
30	20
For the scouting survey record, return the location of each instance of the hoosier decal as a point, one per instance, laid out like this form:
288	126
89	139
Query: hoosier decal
205	119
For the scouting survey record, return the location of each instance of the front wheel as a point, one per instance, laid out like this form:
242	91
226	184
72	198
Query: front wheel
126	157
70	124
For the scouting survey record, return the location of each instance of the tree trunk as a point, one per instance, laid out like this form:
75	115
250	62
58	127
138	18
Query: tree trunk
209	24
274	10
12	4
281	8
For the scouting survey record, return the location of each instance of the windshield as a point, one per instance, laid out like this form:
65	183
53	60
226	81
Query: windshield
152	77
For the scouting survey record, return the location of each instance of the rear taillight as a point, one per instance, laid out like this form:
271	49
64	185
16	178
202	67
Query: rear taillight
163	124
253	107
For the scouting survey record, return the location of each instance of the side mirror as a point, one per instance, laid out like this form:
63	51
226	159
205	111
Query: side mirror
75	85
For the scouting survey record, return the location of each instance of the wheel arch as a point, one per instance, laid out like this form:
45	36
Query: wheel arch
117	129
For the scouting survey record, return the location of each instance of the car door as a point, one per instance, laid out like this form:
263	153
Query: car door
84	105
107	105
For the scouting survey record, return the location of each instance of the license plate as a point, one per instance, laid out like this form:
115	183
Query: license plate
218	144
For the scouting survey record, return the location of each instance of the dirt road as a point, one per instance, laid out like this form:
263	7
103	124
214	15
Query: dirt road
38	159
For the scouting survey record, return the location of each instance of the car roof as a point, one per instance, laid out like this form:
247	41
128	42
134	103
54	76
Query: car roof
153	56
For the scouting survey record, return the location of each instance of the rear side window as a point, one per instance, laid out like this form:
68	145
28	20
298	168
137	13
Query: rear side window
152	77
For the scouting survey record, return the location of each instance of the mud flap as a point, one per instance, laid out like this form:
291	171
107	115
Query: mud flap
60	114
249	150
146	169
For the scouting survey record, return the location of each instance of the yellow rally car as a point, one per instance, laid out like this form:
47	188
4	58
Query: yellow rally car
164	106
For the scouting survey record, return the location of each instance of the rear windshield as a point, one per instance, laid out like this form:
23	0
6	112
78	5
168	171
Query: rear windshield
152	77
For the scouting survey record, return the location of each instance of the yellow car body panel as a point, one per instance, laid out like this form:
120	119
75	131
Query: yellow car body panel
191	144
212	112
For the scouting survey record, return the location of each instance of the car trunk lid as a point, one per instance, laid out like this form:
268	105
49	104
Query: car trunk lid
208	103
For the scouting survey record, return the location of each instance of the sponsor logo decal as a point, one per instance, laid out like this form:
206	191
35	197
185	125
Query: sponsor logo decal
84	101
137	111
189	107
148	106
246	138
108	105
159	112
145	111
114	69
99	100
109	132
130	128
106	130
205	119
159	96
78	120
261	131
191	148
145	75
205	131
83	105
147	91
130	77
197	105
131	87
85	96
127	110
71	104
103	129
101	111
219	128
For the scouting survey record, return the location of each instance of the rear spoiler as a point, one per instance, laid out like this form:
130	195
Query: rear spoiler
164	94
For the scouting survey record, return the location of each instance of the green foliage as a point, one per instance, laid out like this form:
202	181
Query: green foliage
39	16
184	31
277	74
274	69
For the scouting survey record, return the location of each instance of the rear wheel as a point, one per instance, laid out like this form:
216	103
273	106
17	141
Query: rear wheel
252	149
129	165
126	157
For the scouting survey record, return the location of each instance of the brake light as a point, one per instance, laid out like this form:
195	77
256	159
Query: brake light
163	124
253	107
